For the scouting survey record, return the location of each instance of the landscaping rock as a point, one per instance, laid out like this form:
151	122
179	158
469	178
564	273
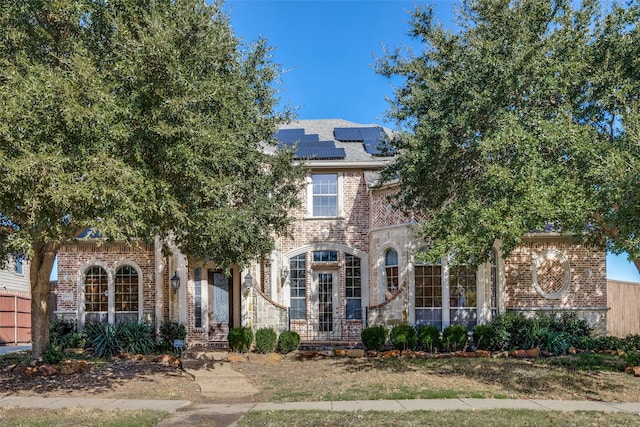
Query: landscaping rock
444	356
533	352
545	353
520	354
256	358
355	353
465	354
391	353
500	355
423	355
340	352
274	358
47	370
326	353
372	353
572	350
409	354
236	358
483	353
308	354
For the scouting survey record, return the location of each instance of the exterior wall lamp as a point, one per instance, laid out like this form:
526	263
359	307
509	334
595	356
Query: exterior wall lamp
285	272
175	282
248	281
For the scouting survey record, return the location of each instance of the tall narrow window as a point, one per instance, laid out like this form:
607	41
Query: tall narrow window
325	195
17	262
493	282
391	270
96	291
463	295
298	284
126	292
428	294
197	298
353	286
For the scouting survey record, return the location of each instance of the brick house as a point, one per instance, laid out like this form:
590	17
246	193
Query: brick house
349	262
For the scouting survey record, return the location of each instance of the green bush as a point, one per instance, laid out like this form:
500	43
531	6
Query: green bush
62	334
584	343
240	339
428	338
374	337
53	354
554	342
454	337
607	342
104	339
137	338
403	337
266	340
632	358
484	337
170	331
631	343
288	341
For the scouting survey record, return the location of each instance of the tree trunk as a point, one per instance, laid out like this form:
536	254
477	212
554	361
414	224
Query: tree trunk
637	264
41	264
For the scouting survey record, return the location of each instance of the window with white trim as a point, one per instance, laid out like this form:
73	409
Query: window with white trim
324	201
391	270
298	285
353	286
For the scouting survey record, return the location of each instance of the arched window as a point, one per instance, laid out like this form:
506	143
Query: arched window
126	293
96	294
391	270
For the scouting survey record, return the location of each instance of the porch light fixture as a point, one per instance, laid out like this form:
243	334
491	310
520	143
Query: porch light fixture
175	282
248	281
285	272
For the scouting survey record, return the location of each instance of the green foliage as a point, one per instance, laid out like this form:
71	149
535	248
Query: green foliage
288	341
104	339
428	338
240	339
631	343
137	338
62	334
53	355
526	115
484	337
632	358
374	337
403	337
455	337
114	112
266	340
171	330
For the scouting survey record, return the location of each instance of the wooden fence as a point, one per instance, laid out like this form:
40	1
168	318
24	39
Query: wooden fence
15	319
623	299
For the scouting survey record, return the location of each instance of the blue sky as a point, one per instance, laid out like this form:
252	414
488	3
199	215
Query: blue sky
326	50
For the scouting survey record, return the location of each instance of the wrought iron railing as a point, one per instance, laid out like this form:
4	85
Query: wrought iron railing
329	327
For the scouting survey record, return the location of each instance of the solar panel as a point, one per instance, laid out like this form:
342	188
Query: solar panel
289	136
348	134
319	153
377	147
372	133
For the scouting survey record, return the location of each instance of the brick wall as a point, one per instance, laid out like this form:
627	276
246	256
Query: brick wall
73	258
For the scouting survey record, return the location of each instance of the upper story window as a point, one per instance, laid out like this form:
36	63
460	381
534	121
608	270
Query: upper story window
17	263
391	269
324	195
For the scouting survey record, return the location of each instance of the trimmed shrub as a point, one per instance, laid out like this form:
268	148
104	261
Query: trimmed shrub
403	337
374	337
632	358
288	341
556	343
53	355
454	337
266	340
631	343
428	338
484	337
240	339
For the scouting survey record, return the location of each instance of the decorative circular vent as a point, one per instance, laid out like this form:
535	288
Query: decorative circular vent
551	274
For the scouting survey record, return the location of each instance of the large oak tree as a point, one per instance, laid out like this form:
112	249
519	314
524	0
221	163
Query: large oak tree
135	118
525	117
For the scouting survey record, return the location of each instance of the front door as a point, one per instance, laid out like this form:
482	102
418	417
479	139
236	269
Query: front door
220	306
326	304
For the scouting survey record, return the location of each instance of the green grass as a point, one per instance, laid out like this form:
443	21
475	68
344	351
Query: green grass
79	417
492	418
